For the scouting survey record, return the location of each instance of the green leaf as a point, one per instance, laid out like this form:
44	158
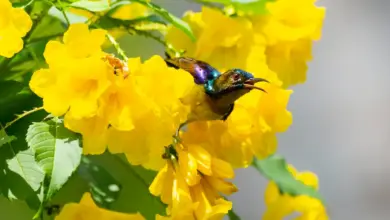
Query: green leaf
107	22
57	151
94	6
233	216
104	188
275	169
135	180
22	4
177	22
25	166
73	18
247	6
4	138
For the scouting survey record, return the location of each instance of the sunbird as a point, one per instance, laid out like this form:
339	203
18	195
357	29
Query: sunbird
214	94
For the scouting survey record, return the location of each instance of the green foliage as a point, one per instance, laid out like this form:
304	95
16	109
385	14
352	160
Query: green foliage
253	7
4	138
133	183
177	22
22	4
104	188
94	6
275	169
57	151
24	165
233	216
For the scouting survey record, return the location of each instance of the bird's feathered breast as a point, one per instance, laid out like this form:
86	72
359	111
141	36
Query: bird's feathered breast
204	107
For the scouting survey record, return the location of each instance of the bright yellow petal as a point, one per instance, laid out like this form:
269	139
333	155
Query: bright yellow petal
271	194
308	178
21	20
94	131
157	185
221	169
220	185
203	158
220	209
42	81
279	209
128	142
188	167
87	209
56	104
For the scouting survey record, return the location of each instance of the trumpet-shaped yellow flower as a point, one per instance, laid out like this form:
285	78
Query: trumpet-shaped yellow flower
14	24
130	11
87	209
77	75
191	184
222	41
109	101
290	29
156	113
280	206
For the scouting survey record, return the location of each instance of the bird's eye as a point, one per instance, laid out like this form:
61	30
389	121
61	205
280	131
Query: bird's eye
236	77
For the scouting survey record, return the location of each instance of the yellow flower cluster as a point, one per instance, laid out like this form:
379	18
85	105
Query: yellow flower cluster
191	183
87	209
135	107
280	206
14	24
231	42
133	113
278	42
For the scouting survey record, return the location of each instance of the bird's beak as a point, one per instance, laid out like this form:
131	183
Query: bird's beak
250	83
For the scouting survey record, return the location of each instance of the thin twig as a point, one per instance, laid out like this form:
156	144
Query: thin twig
63	12
117	46
48	37
24	114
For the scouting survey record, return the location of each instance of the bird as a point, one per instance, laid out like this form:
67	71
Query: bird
213	94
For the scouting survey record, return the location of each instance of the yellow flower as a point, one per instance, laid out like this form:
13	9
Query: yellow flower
156	113
191	184
137	114
14	24
222	41
91	88
130	11
291	21
280	206
290	29
87	209
77	75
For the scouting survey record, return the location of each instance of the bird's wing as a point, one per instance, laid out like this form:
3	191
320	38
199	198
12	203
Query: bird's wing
201	71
